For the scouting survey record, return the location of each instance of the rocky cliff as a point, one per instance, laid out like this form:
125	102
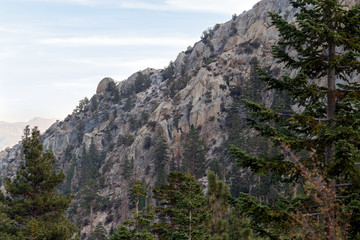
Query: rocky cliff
121	121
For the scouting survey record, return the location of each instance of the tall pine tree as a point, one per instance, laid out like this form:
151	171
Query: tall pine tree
32	203
324	135
194	154
161	157
182	211
138	226
217	195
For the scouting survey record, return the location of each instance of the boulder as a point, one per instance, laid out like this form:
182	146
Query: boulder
103	85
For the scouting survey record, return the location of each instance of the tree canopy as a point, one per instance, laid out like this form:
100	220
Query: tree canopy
34	208
319	141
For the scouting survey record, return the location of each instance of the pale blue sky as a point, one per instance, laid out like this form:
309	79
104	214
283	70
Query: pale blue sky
54	52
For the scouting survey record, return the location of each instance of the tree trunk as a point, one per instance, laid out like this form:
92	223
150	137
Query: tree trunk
92	215
193	167
331	99
330	223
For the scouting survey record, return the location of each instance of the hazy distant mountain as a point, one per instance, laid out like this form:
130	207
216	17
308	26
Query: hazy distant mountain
10	133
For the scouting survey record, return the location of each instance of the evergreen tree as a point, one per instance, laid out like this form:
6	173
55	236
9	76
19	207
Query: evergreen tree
194	154
218	205
321	142
122	233
34	207
181	212
142	82
92	161
90	199
138	226
161	158
94	103
99	233
127	168
7	226
239	225
114	91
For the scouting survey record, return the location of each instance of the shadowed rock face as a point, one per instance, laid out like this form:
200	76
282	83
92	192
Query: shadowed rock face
194	90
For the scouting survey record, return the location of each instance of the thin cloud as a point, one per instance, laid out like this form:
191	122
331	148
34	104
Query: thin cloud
78	84
120	62
108	41
213	6
8	30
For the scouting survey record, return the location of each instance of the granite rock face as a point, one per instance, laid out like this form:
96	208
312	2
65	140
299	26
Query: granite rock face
194	90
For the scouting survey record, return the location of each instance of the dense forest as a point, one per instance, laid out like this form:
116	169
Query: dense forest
306	165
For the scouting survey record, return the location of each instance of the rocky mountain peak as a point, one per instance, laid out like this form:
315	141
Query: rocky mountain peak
118	128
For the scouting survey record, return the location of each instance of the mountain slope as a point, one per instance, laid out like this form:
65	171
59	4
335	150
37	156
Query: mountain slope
109	141
197	89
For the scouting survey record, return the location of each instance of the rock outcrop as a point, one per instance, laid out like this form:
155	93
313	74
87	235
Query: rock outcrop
197	89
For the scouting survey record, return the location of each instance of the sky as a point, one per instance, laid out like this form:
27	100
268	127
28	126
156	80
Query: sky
53	53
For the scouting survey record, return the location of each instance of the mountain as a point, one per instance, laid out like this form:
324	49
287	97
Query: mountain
10	133
111	140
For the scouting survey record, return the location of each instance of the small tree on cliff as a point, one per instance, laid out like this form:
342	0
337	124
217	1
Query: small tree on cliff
37	211
326	40
194	154
161	157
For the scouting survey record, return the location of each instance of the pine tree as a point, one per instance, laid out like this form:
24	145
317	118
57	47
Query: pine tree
194	154
138	226
323	138
218	205
181	212
161	158
32	203
90	199
127	168
7	226
99	233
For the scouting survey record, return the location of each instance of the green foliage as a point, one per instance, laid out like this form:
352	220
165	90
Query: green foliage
161	158
126	140
129	103
113	92
99	233
68	178
207	35
94	103
33	209
138	226
320	142
217	195
89	195
181	212
168	72
80	127
142	82
147	142
239	225
91	162
127	168
253	87
194	154
176	85
82	105
217	168
122	233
